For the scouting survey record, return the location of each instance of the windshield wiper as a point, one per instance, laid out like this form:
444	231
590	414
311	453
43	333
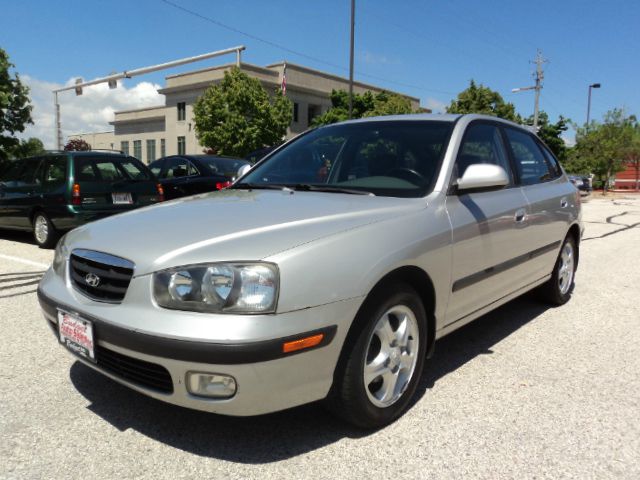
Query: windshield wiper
256	186
305	187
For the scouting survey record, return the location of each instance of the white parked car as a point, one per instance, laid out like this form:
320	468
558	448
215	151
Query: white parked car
326	272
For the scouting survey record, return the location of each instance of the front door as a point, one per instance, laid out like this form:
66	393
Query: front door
489	229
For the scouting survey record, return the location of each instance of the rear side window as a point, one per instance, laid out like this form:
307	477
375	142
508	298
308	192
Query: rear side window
556	170
55	171
530	163
482	143
179	167
103	169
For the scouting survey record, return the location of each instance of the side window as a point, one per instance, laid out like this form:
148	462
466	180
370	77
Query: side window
191	169
482	143
531	164
27	176
176	167
156	168
556	170
55	171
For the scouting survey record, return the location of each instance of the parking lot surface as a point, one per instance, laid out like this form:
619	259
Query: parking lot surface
526	391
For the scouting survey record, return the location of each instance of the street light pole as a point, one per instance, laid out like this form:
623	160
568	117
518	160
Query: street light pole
353	15
132	73
593	85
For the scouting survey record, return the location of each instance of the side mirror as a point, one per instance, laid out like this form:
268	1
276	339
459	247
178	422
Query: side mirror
243	170
483	176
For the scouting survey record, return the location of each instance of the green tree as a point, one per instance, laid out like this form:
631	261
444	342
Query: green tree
551	133
77	145
366	104
481	99
605	147
237	116
15	109
27	148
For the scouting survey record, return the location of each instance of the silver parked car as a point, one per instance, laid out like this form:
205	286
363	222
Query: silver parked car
328	271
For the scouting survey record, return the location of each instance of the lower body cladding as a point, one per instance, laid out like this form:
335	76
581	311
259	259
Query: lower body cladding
247	379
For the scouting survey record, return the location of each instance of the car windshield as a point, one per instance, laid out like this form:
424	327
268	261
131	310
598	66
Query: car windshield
223	166
387	158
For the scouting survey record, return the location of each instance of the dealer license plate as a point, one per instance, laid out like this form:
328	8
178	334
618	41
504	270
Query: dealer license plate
76	334
121	198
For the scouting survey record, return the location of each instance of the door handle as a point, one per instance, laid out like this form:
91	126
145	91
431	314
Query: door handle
564	203
520	216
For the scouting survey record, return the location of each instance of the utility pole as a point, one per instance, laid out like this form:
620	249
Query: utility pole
353	15
539	76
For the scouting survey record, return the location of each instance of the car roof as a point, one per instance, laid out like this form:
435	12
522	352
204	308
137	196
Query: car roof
429	117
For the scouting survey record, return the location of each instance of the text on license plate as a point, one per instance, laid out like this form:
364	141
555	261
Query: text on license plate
76	334
121	198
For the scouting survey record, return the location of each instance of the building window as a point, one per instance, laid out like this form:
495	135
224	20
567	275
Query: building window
182	111
312	112
163	148
295	112
182	147
124	146
137	149
151	150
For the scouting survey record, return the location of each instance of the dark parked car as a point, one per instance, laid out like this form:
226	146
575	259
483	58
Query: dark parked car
182	175
581	182
59	191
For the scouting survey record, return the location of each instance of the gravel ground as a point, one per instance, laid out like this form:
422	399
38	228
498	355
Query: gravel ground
525	392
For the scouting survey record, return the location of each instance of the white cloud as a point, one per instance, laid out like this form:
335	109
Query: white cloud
90	112
435	105
371	58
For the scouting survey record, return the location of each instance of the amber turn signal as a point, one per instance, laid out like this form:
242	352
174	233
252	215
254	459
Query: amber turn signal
303	343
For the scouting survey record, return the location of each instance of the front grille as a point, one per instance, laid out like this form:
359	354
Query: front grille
113	274
139	372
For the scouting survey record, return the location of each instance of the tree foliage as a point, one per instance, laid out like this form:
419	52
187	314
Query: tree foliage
481	99
15	109
77	145
237	115
27	148
551	133
604	148
366	104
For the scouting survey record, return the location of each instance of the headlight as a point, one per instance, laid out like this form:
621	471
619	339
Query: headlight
218	288
60	257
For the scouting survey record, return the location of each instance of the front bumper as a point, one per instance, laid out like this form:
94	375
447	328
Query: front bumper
267	379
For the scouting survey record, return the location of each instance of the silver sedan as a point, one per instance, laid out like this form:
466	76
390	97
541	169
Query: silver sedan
328	271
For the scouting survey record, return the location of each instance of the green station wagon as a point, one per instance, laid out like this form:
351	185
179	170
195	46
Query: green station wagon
59	191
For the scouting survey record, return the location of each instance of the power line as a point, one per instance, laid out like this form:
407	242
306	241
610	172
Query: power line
295	52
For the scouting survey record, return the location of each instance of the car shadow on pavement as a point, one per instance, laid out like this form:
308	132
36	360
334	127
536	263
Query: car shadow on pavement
17	236
282	435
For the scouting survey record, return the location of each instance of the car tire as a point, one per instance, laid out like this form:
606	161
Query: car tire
557	290
383	360
44	233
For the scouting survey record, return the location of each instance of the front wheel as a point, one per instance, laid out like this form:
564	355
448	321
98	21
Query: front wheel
384	364
558	288
44	232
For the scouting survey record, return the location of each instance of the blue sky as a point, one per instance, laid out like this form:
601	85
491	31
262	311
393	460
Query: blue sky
429	49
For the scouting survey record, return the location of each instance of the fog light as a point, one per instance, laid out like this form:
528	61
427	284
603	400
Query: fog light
211	385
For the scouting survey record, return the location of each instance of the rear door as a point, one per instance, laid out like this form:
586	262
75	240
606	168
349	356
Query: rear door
489	229
551	199
20	192
179	178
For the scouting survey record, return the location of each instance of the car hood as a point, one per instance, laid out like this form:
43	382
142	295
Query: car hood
231	225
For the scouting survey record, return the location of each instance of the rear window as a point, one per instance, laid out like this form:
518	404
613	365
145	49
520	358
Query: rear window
105	169
223	166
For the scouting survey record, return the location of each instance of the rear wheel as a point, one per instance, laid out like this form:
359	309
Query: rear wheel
44	232
558	288
382	369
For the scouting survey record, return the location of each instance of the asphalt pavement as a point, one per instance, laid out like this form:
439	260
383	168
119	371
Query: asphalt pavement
526	391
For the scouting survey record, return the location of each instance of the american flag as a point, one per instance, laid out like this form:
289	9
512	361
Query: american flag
284	79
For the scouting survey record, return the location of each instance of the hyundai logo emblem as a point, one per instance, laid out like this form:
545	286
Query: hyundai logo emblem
92	280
